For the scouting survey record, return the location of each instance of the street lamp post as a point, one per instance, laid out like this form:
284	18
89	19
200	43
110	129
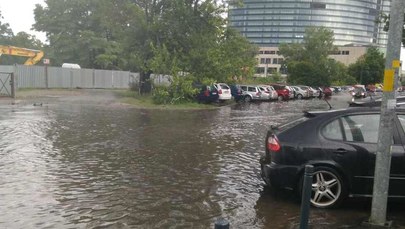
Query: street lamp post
385	133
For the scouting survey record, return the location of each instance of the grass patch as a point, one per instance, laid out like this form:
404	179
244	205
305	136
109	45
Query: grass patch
146	101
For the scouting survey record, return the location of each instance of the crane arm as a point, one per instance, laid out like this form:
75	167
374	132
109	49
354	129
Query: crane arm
33	55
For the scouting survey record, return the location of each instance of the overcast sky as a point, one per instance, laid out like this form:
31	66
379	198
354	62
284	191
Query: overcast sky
20	15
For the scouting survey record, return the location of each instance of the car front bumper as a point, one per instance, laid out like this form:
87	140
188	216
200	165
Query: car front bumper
280	176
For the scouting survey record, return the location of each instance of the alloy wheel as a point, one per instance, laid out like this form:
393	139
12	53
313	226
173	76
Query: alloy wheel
326	189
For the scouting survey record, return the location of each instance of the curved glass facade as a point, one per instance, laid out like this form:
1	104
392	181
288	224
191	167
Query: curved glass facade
271	22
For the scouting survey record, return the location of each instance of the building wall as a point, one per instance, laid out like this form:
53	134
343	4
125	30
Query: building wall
269	60
272	22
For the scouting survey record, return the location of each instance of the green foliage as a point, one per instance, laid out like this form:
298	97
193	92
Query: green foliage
339	74
276	77
309	63
306	73
157	36
173	37
5	32
180	90
384	19
369	68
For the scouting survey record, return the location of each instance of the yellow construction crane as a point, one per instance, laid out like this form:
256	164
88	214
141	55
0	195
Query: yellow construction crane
33	55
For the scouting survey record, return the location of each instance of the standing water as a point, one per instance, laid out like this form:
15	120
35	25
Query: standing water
74	164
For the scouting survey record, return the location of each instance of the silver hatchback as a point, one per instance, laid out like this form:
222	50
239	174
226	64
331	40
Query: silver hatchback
251	92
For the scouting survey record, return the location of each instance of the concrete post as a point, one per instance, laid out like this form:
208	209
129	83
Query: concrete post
385	134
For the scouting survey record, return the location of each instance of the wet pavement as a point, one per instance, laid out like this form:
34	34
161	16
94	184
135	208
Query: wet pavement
86	162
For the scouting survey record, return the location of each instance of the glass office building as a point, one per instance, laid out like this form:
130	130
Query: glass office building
271	22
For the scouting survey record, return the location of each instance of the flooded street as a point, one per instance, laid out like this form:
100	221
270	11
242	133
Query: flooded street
74	163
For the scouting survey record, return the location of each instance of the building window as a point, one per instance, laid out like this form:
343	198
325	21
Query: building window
318	5
268	60
259	70
345	52
266	52
262	60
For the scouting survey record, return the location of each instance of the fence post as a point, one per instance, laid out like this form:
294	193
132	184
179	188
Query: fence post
12	85
46	77
306	196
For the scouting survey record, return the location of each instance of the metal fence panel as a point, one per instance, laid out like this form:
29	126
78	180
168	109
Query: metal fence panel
56	77
30	76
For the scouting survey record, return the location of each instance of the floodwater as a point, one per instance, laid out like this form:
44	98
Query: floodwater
81	163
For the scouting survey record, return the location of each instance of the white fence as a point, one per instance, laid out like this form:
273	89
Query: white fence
56	77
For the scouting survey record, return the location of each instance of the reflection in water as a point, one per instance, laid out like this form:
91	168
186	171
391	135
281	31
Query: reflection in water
94	166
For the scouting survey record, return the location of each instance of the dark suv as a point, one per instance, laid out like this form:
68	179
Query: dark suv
207	94
282	91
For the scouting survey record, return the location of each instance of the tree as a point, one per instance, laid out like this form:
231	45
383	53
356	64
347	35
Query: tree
385	20
80	31
369	68
308	62
146	36
5	32
21	39
340	75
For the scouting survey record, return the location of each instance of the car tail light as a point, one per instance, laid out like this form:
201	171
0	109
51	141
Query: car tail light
220	91
273	144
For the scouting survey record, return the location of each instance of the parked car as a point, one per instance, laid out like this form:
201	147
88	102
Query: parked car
300	92
315	92
291	92
282	91
207	94
237	92
251	92
268	92
224	91
341	145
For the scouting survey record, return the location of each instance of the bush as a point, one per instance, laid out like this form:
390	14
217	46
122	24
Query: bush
161	95
180	90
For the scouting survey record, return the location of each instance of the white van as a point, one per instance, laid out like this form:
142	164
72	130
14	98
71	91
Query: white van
69	65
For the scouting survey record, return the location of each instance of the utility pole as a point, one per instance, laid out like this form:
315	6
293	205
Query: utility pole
386	129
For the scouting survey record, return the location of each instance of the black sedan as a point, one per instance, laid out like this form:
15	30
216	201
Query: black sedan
341	145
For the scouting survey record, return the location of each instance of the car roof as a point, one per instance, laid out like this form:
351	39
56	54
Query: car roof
350	110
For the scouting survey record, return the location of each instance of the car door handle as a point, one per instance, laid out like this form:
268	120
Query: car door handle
340	151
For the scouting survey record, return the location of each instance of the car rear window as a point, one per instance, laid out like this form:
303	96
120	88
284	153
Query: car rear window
223	86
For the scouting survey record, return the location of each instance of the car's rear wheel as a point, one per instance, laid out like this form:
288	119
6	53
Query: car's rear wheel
280	98
247	98
299	96
328	188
